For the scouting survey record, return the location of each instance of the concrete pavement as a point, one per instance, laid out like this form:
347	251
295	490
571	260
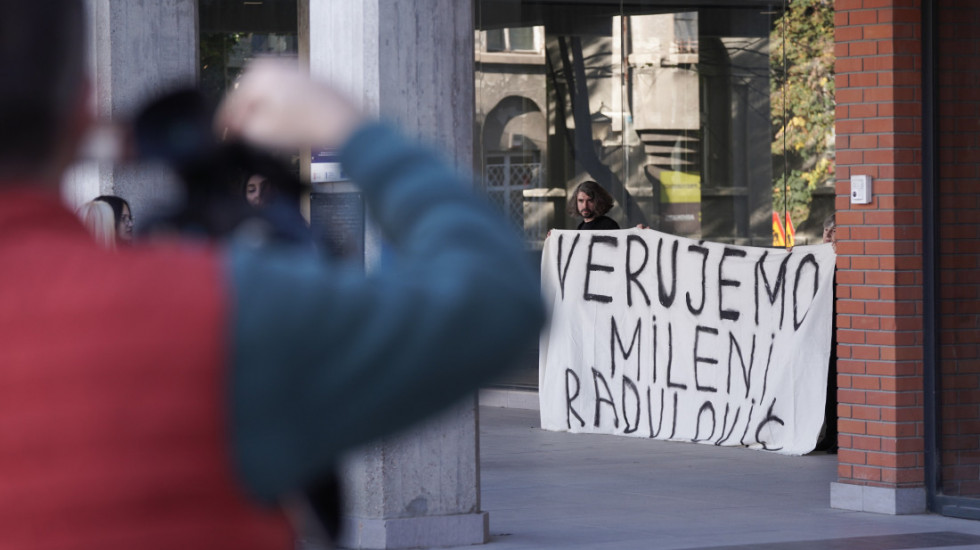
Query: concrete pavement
556	490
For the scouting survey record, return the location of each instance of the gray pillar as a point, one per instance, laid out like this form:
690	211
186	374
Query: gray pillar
411	62
139	48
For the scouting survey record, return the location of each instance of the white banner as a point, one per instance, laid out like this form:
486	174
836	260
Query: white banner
664	337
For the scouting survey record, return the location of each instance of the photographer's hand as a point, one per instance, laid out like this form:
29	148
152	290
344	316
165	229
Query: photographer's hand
275	105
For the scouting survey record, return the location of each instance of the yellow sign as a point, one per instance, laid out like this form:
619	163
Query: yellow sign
680	187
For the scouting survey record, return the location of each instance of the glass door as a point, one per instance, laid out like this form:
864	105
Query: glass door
956	464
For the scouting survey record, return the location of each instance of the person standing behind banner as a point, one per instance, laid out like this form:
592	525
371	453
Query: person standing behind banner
591	203
829	441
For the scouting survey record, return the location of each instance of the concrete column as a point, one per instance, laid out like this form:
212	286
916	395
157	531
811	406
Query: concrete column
420	489
411	62
138	49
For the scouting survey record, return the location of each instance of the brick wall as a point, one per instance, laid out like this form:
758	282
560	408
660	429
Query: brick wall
959	307
879	280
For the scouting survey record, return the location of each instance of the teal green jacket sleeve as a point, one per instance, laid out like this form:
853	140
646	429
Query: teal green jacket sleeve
326	357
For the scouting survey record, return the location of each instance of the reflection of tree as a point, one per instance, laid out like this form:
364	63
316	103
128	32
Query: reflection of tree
802	103
215	47
572	94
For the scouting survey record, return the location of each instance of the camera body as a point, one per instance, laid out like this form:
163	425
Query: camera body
177	130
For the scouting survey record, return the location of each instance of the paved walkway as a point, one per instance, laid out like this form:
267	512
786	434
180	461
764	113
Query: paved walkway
556	490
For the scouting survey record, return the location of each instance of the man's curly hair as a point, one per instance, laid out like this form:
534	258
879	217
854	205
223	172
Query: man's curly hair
603	200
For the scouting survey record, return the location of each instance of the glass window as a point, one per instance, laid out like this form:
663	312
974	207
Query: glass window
520	39
707	122
231	33
958	300
496	41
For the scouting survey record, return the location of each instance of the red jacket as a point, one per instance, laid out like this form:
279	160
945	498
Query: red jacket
108	439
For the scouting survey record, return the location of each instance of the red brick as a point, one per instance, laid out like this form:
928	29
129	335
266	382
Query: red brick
881	156
850	247
875	338
845	127
845	5
885	460
847	34
850	157
866	473
864	141
867	110
904	383
903	445
900	353
849	95
850	426
851	336
865	352
864	262
877	32
861	80
881	399
865	322
866	383
910	476
854	367
856	49
879	125
883	278
849	456
890	309
865	293
863	17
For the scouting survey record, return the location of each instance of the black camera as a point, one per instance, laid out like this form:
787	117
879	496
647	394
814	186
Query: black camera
177	130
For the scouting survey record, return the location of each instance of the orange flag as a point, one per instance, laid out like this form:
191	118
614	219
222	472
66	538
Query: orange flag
778	235
790	232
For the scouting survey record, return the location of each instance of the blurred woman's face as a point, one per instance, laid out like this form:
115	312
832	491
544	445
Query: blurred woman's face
124	229
255	190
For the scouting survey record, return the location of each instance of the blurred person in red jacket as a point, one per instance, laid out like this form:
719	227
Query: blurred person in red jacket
172	395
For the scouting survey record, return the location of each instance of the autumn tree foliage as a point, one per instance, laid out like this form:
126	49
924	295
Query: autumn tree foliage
802	103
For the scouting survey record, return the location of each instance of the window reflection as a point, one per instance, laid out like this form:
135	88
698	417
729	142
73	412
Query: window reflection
232	33
670	110
680	114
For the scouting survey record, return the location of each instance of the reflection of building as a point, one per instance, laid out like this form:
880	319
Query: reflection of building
511	122
668	110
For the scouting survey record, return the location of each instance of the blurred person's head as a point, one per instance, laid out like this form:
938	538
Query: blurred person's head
830	231
122	215
258	190
100	222
44	110
589	201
